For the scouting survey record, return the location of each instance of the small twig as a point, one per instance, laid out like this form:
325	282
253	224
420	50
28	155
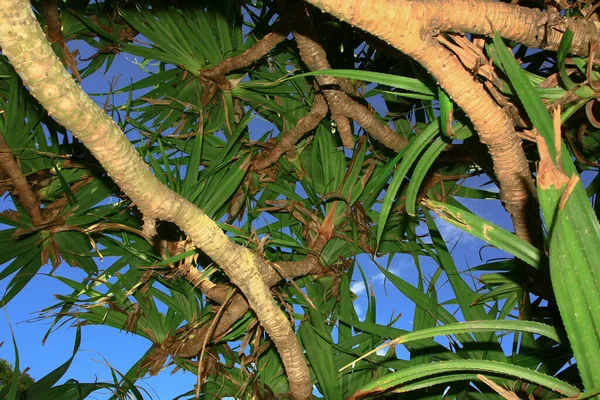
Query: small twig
213	324
294	284
508	395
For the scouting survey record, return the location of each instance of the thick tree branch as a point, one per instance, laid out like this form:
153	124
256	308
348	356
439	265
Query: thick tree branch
414	37
495	130
531	27
23	42
335	90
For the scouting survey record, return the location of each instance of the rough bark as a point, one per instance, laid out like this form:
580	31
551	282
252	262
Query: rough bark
235	308
416	24
334	89
531	27
289	139
23	42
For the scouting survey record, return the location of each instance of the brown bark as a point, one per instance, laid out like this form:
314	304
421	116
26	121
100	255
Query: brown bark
340	104
24	44
495	130
336	90
53	21
24	192
215	78
235	308
315	58
55	35
531	27
417	23
255	52
289	139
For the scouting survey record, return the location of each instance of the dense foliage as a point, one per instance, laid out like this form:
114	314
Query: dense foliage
319	173
7	376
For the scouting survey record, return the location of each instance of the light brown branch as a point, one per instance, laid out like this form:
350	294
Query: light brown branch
245	59
315	59
24	192
289	139
237	306
414	37
341	106
24	44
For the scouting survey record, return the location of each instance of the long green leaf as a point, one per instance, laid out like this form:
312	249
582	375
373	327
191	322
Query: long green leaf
411	152
481	366
400	82
420	171
482	326
486	231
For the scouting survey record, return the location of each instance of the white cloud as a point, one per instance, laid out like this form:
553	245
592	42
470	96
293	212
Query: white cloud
378	278
360	310
358	287
397	266
395	269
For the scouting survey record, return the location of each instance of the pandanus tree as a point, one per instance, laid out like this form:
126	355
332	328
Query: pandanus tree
374	116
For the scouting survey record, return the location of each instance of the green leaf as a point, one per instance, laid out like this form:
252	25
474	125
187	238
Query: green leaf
193	168
464	293
421	169
12	392
533	105
28	264
563	50
480	366
321	361
486	231
574	270
482	326
446	113
409	154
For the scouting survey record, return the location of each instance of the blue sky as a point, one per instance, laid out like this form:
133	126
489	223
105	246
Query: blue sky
101	345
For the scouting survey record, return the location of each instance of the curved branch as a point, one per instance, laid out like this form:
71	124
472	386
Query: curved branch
23	42
14	173
334	89
414	37
315	58
340	104
289	139
235	309
237	305
495	129
253	53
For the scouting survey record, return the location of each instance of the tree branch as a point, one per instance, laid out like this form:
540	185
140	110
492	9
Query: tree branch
14	173
414	37
289	139
23	42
